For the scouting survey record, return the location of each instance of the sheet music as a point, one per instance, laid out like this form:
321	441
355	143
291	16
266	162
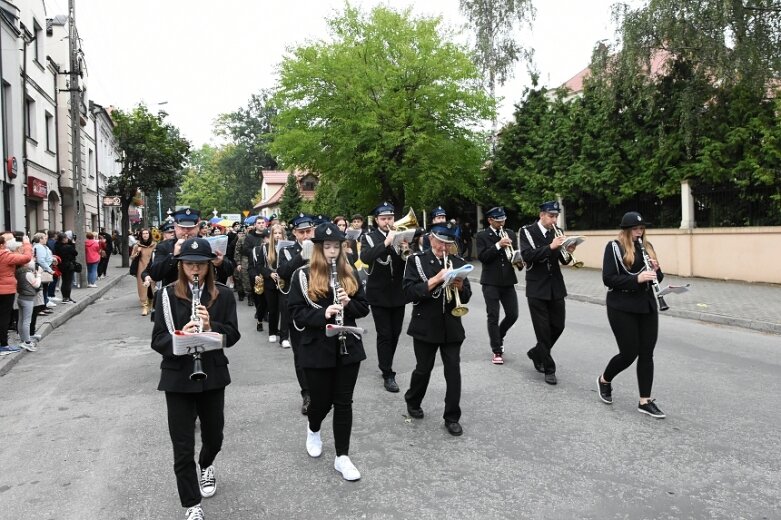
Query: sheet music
218	243
281	244
674	289
403	236
353	234
573	241
460	273
185	343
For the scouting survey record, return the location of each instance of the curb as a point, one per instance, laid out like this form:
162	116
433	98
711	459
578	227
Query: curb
72	310
717	319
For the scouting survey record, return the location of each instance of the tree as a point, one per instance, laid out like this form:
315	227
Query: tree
249	131
204	185
496	24
291	203
152	155
387	110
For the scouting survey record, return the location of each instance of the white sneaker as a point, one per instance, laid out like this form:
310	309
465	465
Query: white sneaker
285	343
29	346
36	337
91	285
314	444
272	339
194	513
208	482
344	465
55	299
50	304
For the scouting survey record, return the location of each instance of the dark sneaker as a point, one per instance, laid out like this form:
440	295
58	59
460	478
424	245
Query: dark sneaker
605	391
415	413
651	409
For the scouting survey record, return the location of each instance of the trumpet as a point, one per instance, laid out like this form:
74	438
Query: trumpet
339	315
647	260
566	255
409	221
451	293
509	251
198	373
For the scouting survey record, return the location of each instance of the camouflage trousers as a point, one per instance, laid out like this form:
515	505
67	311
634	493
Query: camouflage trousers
242	282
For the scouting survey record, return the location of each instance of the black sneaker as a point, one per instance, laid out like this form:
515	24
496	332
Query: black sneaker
651	409
605	391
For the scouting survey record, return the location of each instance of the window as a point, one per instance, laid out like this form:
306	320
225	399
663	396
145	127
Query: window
38	42
91	164
29	106
49	132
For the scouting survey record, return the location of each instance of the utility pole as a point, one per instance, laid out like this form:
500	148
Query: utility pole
75	112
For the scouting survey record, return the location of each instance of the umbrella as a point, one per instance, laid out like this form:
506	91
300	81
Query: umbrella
225	223
250	220
214	220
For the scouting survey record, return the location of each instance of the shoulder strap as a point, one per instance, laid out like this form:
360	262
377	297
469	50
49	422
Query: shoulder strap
167	314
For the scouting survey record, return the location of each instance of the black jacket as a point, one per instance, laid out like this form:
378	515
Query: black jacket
259	266
67	253
431	319
176	370
385	270
316	350
624	292
497	269
543	270
163	267
251	241
289	260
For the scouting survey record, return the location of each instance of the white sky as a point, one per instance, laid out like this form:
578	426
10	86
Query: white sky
207	58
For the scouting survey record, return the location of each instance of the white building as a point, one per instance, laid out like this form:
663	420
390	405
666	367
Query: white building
107	165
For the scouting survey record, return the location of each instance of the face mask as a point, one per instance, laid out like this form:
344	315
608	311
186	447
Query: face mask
12	245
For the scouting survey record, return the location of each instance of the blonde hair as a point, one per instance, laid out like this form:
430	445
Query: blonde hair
271	256
628	245
320	274
182	287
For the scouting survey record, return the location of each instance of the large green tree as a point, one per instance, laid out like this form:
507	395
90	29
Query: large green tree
204	186
249	132
291	203
152	155
388	109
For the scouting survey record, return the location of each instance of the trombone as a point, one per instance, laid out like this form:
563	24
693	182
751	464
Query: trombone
509	251
566	255
451	293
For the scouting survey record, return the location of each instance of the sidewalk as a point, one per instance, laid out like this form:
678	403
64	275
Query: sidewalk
741	304
63	312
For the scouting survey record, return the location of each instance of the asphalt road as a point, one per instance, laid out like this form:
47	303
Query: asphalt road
85	437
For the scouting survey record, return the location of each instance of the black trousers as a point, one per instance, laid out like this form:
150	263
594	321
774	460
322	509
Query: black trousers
66	283
636	337
284	317
260	305
103	264
6	310
495	295
333	387
425	355
387	323
272	304
548	322
183	409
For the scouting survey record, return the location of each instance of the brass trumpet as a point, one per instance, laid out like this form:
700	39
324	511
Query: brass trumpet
566	255
509	251
451	293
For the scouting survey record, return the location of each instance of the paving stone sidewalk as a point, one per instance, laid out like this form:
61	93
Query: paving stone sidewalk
754	306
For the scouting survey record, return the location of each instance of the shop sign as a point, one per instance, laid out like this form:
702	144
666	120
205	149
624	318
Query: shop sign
37	188
111	200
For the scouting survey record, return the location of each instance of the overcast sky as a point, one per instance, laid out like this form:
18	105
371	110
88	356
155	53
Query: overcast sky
207	57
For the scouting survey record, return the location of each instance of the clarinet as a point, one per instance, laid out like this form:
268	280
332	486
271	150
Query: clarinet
649	267
198	373
339	315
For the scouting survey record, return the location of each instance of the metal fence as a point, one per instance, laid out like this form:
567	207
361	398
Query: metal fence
730	206
591	213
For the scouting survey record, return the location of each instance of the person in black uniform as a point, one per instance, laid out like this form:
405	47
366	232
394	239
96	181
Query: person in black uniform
291	258
383	289
264	263
331	375
497	279
436	216
632	310
186	398
163	267
433	326
542	251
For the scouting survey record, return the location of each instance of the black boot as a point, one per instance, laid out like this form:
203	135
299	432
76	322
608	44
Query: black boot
241	296
259	326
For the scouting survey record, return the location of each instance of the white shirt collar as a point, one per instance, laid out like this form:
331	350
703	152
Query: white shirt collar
542	229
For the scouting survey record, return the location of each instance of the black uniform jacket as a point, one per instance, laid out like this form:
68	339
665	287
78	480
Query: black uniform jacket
176	370
251	241
543	272
431	320
385	270
497	269
163	266
259	266
317	350
624	292
289	260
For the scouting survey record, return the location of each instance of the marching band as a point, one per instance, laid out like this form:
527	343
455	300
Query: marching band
318	286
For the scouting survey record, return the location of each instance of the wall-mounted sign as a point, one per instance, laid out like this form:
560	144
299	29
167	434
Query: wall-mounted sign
111	200
37	188
11	167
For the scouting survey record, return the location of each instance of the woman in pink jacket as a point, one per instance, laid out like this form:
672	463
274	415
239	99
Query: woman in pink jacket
92	248
10	258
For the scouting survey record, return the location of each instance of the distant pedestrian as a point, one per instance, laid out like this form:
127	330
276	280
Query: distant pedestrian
67	253
28	285
142	255
44	258
92	250
107	249
632	309
10	259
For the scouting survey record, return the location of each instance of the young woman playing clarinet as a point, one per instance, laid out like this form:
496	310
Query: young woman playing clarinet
629	270
331	367
187	396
